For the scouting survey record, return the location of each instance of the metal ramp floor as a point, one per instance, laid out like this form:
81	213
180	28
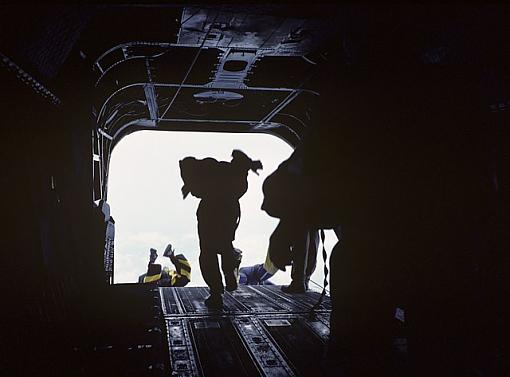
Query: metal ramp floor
260	332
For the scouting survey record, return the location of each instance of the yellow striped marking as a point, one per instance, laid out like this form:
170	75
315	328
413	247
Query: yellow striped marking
184	262
186	274
150	279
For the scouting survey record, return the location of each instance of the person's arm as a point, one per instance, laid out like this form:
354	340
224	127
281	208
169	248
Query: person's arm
185	191
256	166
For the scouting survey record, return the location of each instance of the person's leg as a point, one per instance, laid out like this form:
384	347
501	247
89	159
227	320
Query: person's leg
238	257
153	274
311	262
228	266
208	259
299	258
153	255
209	267
229	225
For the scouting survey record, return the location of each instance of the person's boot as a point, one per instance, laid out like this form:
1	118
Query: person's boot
153	255
294	287
231	287
230	282
214	301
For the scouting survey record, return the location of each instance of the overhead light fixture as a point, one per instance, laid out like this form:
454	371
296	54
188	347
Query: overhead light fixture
213	96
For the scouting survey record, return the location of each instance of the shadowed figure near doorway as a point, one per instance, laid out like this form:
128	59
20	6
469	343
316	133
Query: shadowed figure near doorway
219	185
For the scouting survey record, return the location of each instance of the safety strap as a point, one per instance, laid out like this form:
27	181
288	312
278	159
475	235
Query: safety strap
326	271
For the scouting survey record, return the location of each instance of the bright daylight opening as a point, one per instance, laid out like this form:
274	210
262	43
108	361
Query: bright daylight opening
144	192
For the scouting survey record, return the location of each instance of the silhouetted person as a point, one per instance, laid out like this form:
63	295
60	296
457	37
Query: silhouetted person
165	277
295	240
219	185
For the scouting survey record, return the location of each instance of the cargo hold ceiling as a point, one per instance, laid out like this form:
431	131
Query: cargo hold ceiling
227	69
240	68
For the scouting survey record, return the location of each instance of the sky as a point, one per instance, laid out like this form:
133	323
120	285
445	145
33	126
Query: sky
144	193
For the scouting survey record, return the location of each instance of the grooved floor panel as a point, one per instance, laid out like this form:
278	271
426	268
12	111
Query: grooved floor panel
261	331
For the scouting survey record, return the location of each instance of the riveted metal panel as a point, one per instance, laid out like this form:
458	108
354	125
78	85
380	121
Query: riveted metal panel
220	349
269	360
169	301
183	360
295	337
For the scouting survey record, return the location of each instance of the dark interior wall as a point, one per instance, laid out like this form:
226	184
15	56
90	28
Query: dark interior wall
28	201
58	316
52	264
410	153
409	156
